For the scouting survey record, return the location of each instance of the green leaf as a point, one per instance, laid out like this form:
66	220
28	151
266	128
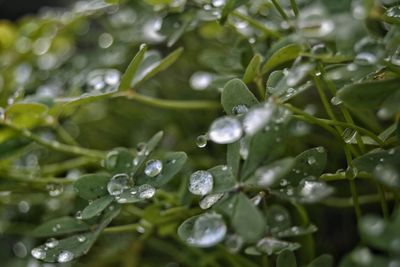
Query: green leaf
159	66
264	146
135	194
283	55
25	115
119	160
247	220
369	94
233	157
92	186
252	69
130	72
269	246
97	206
60	226
322	261
297	231
286	259
278	219
146	149
369	161
229	7
235	93
311	162
390	106
224	181
79	244
172	164
267	176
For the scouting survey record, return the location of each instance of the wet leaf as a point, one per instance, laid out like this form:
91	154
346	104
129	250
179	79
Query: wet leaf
236	93
60	226
92	186
130	72
223	178
283	55
96	207
286	259
25	115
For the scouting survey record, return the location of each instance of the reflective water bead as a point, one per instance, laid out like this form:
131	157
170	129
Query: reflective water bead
311	160
117	184
234	243
200	80
257	118
225	130
201	183
38	253
153	167
51	243
146	191
81	238
201	140
54	189
387	174
240	109
65	256
336	101
209	200
208	230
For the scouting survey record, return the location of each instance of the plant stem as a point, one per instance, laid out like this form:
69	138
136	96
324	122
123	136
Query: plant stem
121	228
295	8
54	145
338	202
280	10
256	24
169	104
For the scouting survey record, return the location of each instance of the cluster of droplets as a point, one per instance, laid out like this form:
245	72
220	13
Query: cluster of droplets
103	81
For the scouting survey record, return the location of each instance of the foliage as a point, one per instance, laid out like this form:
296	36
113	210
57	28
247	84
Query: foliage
142	133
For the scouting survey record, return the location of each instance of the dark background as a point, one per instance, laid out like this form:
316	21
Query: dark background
13	9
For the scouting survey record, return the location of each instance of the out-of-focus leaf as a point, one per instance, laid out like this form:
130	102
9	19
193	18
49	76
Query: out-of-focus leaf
236	93
322	261
283	55
286	259
25	115
252	69
130	72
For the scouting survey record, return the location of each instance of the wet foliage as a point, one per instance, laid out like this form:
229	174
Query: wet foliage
201	133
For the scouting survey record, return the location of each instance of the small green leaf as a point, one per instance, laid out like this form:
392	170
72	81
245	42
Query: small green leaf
235	93
97	206
286	259
233	157
322	261
278	219
229	7
92	186
283	55
172	164
369	161
247	220
264	146
252	69
224	180
159	66
311	162
118	161
130	72
60	226
25	115
369	94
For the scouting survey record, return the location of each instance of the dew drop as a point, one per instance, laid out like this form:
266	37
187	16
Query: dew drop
153	167
240	109
208	230
234	243
146	191
311	160
38	253
51	243
387	174
201	183
209	200
393	12
117	184
201	140
257	118
312	191
54	189
200	80
81	238
336	101
225	130
65	256
349	135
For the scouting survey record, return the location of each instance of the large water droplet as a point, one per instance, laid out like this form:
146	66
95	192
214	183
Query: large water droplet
208	230
146	191
209	200
201	183
153	167
225	130
65	256
38	253
312	191
201	140
267	176
117	184
257	118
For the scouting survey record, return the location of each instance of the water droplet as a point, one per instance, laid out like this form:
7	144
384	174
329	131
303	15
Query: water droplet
78	215
117	184
218	3
38	253
257	118
146	191
209	200
111	159
201	140
349	135
81	238
201	183
387	174
351	172
244	148
105	40
312	191
267	176
51	243
297	74
208	230
225	130
359	9
393	12
271	245
362	256
365	59
372	225
153	167
54	189
200	80
234	243
311	160
256	200
65	256
336	101
319	49
24	206
240	109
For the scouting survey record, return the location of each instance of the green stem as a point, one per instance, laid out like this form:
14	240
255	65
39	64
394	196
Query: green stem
168	104
64	135
66	165
338	202
256	24
121	228
295	8
280	10
54	145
